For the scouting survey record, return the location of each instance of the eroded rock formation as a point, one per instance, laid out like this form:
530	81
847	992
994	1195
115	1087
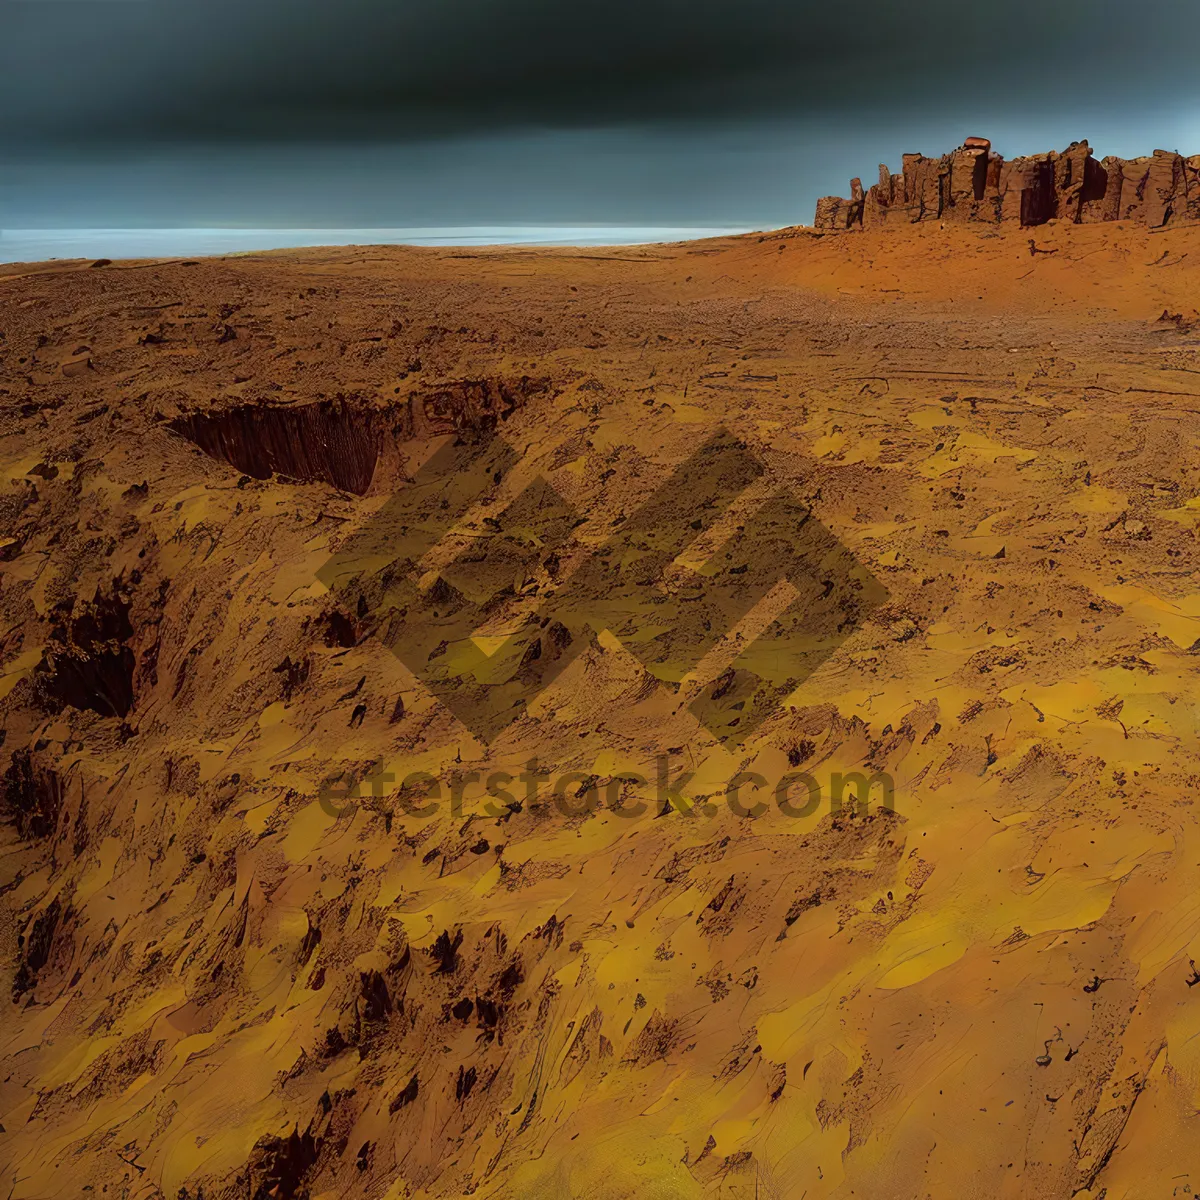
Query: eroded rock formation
88	662
974	183
32	796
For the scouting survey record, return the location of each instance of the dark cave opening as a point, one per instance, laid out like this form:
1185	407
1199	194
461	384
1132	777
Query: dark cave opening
1037	199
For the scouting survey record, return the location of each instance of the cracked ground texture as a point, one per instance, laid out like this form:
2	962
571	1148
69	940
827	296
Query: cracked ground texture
215	985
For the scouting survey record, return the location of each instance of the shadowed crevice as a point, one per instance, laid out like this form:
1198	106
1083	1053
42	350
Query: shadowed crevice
326	442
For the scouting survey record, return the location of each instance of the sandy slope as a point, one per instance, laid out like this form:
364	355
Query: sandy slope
987	993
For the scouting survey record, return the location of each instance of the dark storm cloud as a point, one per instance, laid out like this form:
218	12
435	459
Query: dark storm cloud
270	69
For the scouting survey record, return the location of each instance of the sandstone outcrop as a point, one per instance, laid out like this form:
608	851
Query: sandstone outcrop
975	184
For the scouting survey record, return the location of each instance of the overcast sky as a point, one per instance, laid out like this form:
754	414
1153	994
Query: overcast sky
409	112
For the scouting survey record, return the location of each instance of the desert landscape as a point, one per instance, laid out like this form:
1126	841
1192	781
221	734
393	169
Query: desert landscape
278	527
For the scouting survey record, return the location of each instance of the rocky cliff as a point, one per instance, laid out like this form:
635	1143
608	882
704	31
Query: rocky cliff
973	183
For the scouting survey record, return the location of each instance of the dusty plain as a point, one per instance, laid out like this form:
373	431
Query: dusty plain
215	985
